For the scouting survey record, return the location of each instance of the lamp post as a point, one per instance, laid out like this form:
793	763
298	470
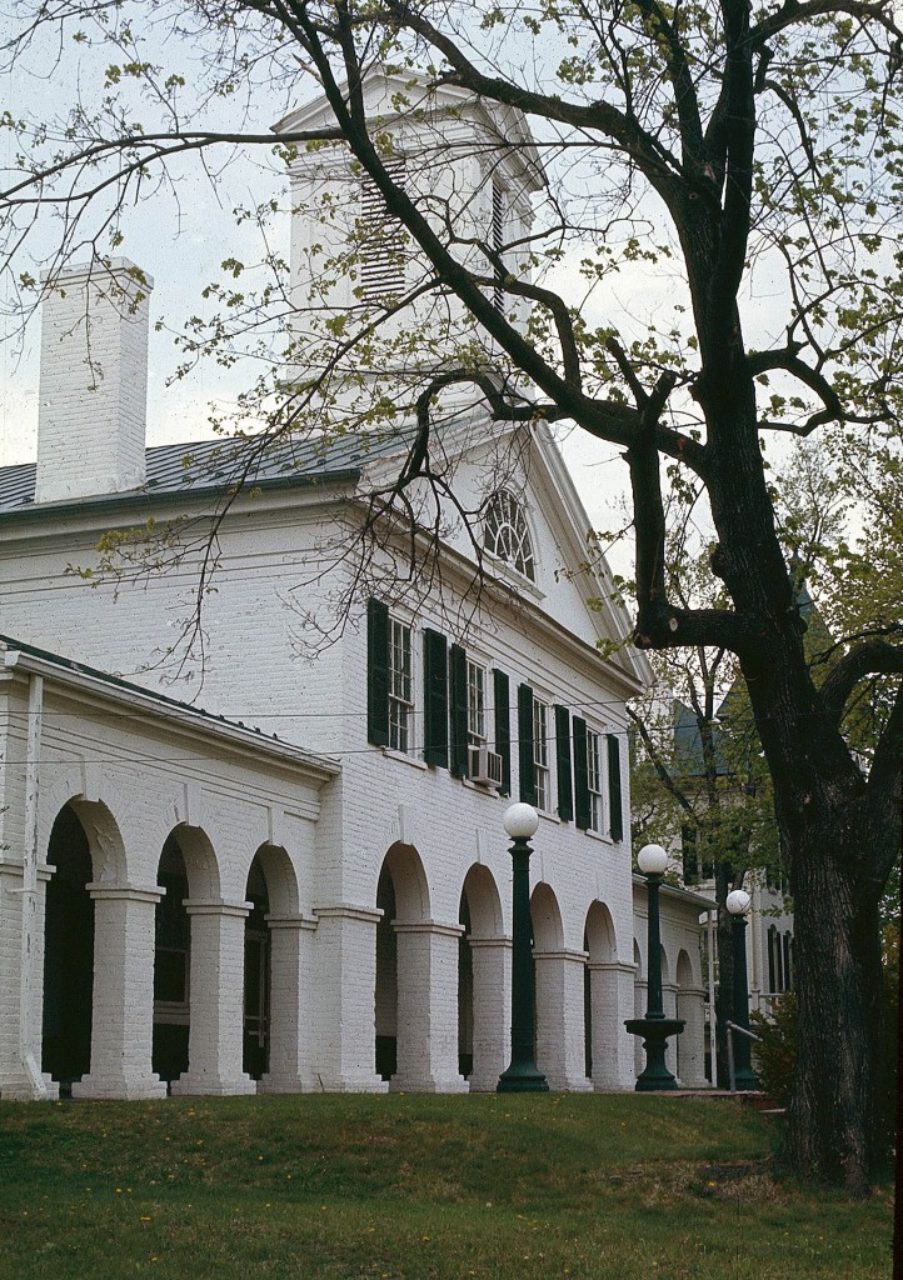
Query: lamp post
522	1075
655	1028
744	1077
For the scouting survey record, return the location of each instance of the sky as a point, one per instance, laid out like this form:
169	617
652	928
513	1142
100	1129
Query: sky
182	242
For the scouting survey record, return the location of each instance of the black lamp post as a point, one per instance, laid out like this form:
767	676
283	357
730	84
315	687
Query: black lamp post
523	1075
655	1028
744	1077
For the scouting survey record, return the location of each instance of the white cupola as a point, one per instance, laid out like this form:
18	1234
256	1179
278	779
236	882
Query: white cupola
472	168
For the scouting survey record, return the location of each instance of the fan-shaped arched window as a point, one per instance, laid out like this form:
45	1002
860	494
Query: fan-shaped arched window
506	535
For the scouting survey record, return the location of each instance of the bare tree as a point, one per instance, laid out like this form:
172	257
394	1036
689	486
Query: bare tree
716	143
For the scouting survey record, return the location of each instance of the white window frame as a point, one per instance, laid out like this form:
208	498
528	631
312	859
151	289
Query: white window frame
401	687
595	781
477	706
542	774
507	536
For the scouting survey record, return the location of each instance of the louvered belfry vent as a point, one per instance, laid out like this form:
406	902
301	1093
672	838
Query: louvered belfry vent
382	251
498	241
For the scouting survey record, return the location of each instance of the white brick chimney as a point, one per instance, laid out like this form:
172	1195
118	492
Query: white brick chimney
93	397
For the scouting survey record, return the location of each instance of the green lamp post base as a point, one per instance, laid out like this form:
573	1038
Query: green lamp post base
746	1080
655	1032
522	1077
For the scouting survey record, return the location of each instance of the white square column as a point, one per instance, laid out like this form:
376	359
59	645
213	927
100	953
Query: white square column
22	985
216	1000
343	1000
427	1036
122	1008
691	1041
560	1048
291	972
640	1000
669	1004
611	1003
491	960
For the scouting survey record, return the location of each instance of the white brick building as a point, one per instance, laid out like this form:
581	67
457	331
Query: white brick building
304	885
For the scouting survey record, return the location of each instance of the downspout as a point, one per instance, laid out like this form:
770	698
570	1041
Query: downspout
29	938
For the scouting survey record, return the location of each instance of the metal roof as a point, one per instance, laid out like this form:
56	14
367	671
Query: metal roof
205	466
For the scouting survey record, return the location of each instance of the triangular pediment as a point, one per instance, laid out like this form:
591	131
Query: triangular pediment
572	585
418	103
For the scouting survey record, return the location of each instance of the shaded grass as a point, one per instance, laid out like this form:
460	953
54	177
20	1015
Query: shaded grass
411	1188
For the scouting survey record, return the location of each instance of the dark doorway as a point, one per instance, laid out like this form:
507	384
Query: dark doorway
386	980
68	954
171	966
256	1045
465	992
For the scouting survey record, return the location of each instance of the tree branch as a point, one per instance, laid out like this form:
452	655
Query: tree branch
791	13
658	765
874	657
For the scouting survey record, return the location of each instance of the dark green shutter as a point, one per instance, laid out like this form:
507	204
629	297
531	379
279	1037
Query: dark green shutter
616	815
435	695
563	759
377	673
458	672
582	810
525	744
501	694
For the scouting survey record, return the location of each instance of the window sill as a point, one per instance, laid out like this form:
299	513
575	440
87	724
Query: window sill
549	817
597	835
512	577
391	754
480	789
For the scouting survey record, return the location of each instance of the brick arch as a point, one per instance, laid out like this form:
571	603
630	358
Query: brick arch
686	975
199	857
545	915
279	875
103	834
599	934
483	902
404	867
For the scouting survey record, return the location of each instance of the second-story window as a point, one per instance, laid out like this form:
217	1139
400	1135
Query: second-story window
594	781
476	704
505	533
541	754
401	704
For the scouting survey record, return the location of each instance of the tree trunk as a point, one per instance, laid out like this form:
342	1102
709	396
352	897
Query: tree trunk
836	1129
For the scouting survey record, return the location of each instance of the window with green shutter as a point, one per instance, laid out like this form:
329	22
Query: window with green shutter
525	748
377	673
458	701
582	804
501	695
615	808
563	763
435	696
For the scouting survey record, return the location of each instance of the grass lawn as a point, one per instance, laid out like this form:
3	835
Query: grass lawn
417	1187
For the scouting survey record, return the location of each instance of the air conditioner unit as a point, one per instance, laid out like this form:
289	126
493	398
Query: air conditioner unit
484	766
